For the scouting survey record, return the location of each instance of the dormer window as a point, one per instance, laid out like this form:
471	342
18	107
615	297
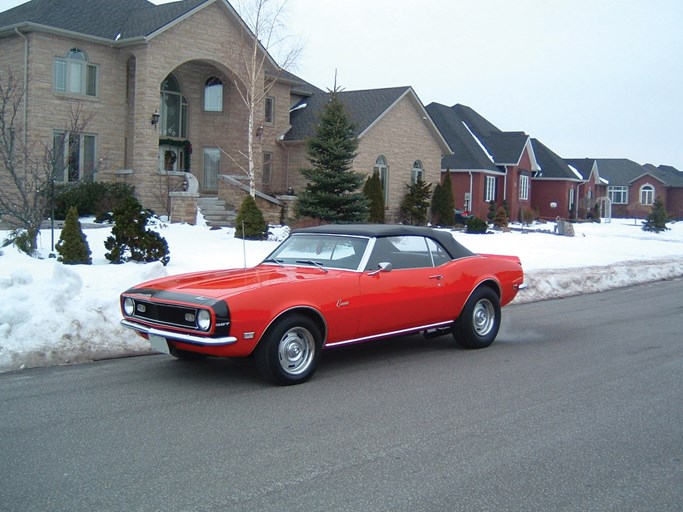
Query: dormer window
75	75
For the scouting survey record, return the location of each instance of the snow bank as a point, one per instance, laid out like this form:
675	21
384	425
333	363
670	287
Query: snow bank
52	313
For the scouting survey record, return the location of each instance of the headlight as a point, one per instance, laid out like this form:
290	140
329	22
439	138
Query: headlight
128	306
204	320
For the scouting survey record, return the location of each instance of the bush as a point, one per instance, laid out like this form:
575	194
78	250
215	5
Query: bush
375	195
21	239
477	226
250	224
501	218
657	218
91	198
131	240
73	245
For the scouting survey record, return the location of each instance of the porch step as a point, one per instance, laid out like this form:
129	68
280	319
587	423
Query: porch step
216	213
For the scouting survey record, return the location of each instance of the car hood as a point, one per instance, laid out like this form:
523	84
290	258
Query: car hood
219	284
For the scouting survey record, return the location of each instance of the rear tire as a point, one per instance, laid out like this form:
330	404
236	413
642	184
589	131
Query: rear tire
478	323
290	350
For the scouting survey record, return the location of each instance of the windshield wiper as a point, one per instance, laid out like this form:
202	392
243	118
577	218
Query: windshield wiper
273	260
314	263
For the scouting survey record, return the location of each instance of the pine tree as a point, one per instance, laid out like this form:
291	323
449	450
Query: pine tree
73	245
657	218
250	224
332	193
131	240
443	206
415	204
375	195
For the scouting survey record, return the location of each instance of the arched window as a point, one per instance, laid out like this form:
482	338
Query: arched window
173	121
647	194
382	168
74	74
213	95
418	173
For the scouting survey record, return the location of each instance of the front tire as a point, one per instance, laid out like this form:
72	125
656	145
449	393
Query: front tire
478	323
290	350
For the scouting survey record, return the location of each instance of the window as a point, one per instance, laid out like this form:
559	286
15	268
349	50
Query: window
524	187
213	95
267	168
74	156
173	121
571	198
490	191
212	168
270	110
618	195
74	75
403	252
417	173
647	194
382	169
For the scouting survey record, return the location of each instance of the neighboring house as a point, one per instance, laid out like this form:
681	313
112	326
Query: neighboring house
556	186
630	187
159	82
397	140
673	178
589	191
486	164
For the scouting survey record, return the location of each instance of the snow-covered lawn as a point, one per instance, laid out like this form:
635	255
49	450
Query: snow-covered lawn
52	313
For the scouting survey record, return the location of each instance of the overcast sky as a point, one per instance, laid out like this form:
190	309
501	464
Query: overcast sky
589	78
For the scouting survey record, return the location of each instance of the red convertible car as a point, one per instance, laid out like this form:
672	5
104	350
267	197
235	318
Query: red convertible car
324	287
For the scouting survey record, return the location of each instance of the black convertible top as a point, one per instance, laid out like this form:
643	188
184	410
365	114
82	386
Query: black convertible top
454	248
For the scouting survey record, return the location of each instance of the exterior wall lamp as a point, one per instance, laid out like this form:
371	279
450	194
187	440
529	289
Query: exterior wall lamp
155	118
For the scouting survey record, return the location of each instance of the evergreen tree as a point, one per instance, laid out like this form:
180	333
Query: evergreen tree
250	224
492	210
73	245
415	204
332	193
657	218
375	195
443	205
130	239
501	218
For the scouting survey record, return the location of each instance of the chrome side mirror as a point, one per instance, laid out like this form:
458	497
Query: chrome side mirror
384	266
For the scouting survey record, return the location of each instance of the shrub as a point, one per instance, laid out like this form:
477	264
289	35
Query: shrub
91	198
477	226
375	195
250	224
657	218
501	218
131	240
73	245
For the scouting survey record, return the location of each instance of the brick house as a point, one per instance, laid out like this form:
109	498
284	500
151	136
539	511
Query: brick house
160	82
397	140
487	164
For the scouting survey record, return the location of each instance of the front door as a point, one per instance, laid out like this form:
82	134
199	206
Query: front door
171	158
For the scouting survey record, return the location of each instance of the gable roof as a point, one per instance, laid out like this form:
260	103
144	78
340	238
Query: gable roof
102	19
364	108
617	171
467	152
552	165
669	175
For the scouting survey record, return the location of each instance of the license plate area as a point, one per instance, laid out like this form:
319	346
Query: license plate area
159	343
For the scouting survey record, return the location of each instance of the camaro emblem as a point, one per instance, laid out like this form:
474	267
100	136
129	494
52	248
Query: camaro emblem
342	303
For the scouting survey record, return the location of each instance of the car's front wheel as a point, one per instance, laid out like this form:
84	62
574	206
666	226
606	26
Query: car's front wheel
478	323
290	350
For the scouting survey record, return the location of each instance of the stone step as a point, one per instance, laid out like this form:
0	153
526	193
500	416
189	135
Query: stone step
216	213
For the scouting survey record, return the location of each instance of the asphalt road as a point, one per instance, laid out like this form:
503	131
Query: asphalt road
577	406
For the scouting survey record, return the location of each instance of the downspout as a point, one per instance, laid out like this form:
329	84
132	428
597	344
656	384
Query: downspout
576	201
20	34
469	203
505	184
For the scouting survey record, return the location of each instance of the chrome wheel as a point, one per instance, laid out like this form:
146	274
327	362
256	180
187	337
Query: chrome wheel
296	350
483	317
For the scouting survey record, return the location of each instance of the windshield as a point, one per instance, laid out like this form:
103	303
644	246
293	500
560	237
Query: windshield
329	251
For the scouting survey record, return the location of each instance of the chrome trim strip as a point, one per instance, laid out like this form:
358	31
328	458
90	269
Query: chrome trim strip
176	336
389	334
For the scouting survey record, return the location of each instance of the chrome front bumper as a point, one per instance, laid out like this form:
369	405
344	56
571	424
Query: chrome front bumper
176	336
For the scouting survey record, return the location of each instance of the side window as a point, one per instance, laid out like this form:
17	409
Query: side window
439	254
403	252
269	113
382	168
417	173
213	95
73	74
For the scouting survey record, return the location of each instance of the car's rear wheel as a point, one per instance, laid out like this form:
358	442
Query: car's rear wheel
290	350
478	323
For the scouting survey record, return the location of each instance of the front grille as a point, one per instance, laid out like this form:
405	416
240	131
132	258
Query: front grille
166	314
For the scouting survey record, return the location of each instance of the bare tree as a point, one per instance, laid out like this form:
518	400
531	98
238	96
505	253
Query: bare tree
28	169
259	72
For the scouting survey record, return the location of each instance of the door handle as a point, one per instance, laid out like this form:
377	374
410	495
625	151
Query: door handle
437	276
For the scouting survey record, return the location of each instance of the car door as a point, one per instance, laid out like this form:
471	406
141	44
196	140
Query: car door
409	295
